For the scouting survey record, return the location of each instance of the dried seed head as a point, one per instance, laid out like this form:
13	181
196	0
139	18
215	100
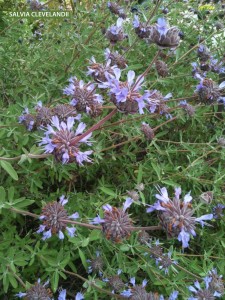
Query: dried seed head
143	237
133	195
44	115
148	131
116	283
221	141
117	224
161	68
97	264
63	111
207	197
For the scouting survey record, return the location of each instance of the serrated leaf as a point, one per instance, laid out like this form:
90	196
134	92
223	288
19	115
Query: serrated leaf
9	169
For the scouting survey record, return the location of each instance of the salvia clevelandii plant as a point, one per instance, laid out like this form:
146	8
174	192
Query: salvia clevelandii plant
112	150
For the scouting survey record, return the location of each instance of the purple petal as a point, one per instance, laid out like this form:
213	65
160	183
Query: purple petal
47	235
107	207
41	228
130	77
79	296
71	231
97	220
55	122
187	198
80	128
61	235
184	237
74	216
127	203
63	200
62	295
164	195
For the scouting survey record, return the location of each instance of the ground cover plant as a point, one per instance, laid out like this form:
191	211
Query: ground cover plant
112	150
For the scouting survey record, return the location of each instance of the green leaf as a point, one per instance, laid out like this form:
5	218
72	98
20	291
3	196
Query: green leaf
83	258
55	281
2	194
12	280
9	169
108	191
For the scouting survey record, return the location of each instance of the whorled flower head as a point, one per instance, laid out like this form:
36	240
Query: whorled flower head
96	264
115	33
209	92
187	107
177	216
138	292
28	120
126	95
116	9
218	211
35	5
148	131
62	141
161	68
164	36
44	114
116	224
217	283
115	59
206	293
98	71
203	53
84	98
37	291
156	102
143	237
55	219
142	30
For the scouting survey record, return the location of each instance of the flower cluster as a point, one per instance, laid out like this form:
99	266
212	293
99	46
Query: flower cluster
115	33
116	224
98	71
116	9
43	115
37	291
138	291
161	68
176	216
84	98
55	219
208	91
209	292
163	35
116	59
62	141
126	95
142	30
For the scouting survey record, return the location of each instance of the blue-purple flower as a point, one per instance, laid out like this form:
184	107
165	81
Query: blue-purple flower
115	59
116	224
61	141
84	97
141	29
177	216
115	32
126	95
55	219
27	119
218	211
200	293
163	35
37	291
